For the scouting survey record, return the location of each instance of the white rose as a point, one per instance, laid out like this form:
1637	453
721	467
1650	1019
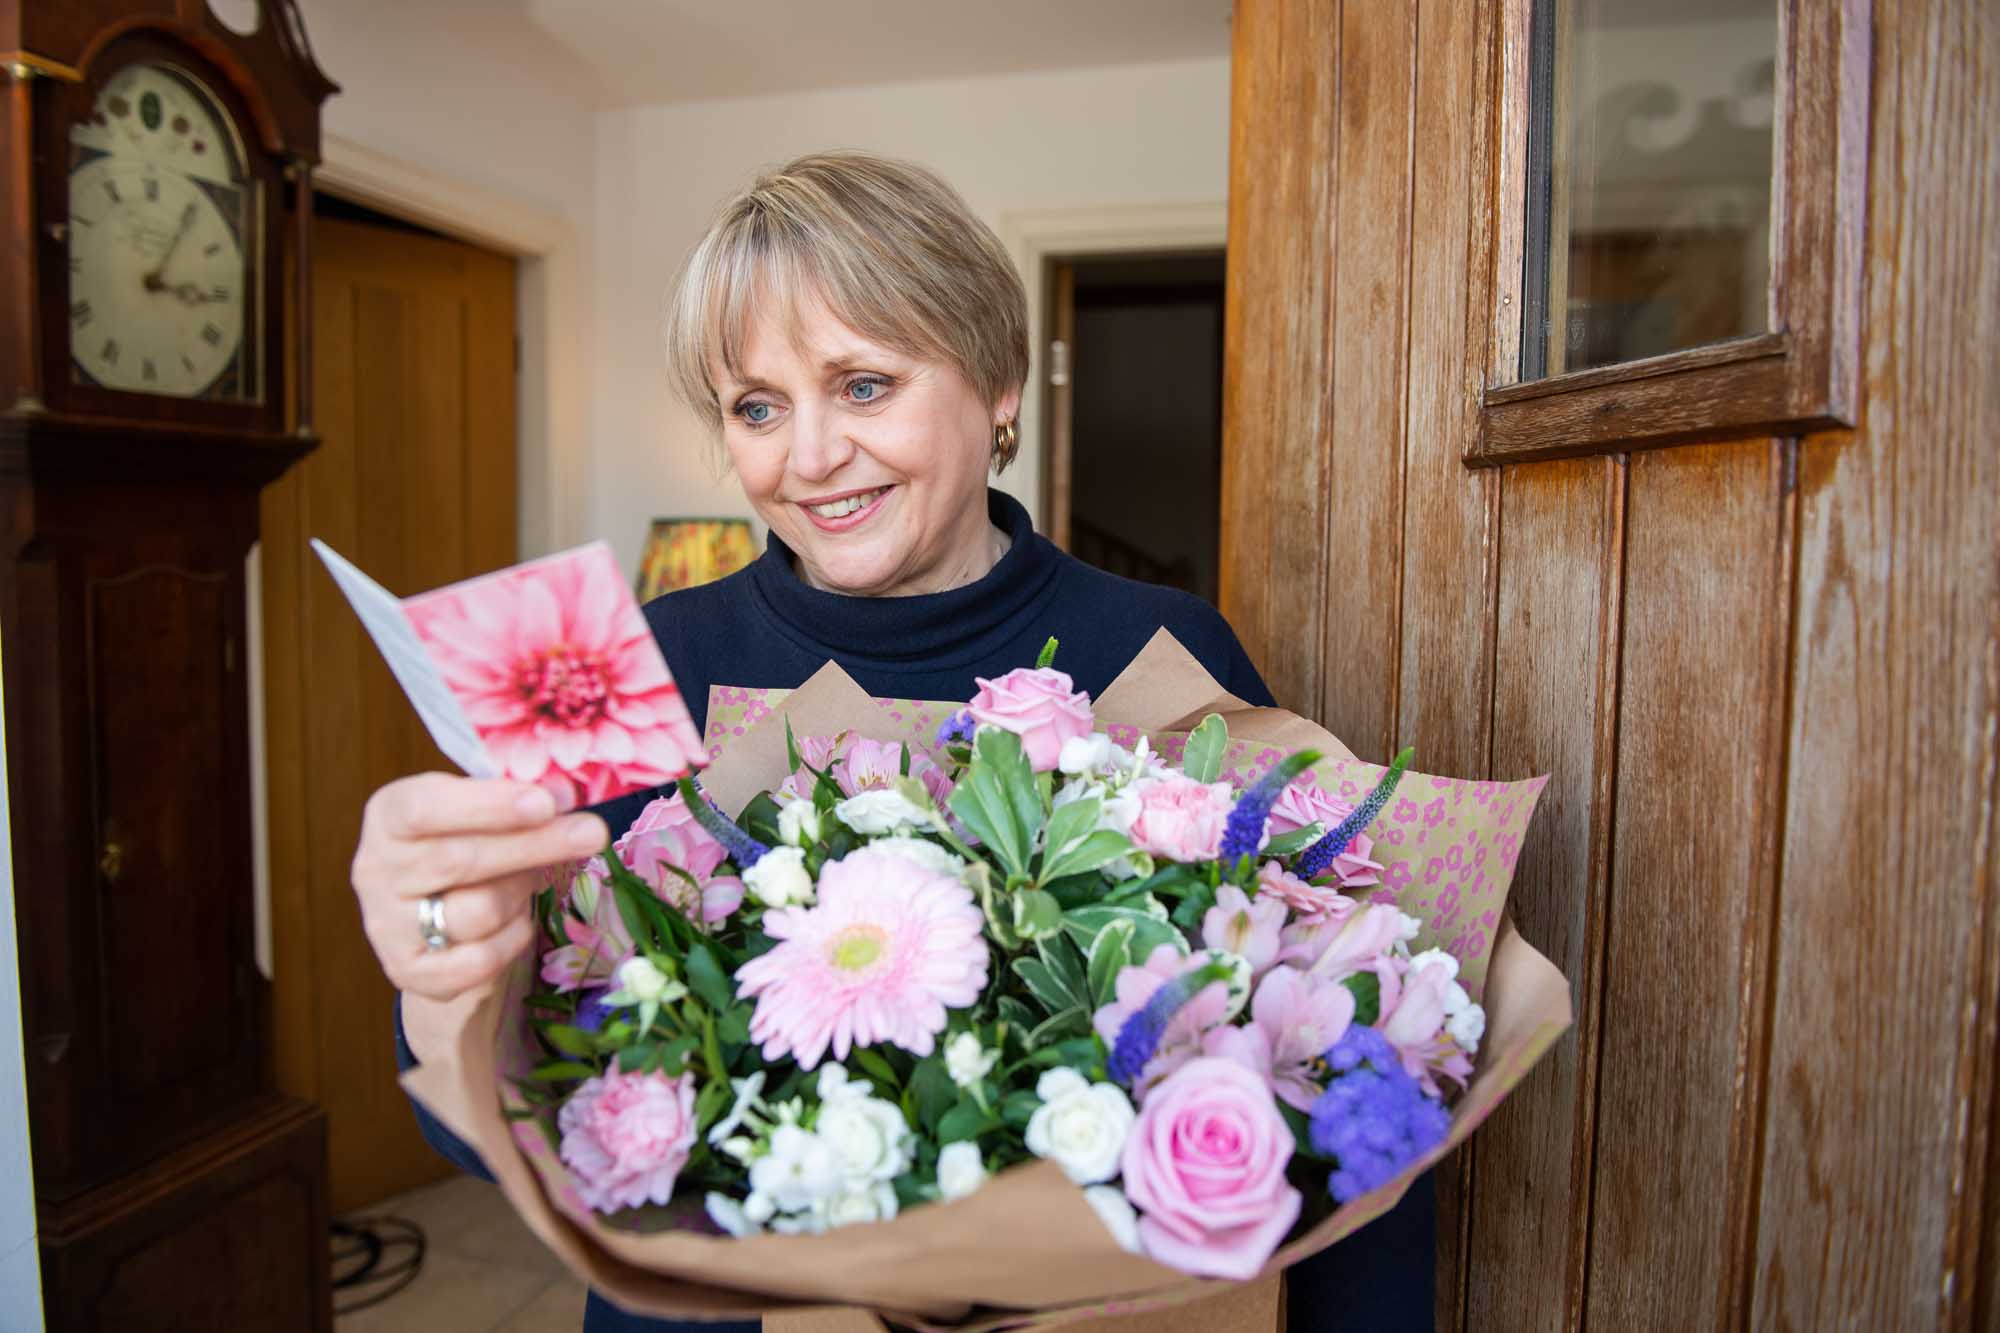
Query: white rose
869	1204
926	854
1435	958
960	1170
869	1137
798	823
801	1170
779	878
1115	1211
1466	1027
1086	754
881	810
1081	1125
966	1060
730	1215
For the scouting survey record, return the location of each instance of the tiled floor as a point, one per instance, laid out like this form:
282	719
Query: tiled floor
483	1272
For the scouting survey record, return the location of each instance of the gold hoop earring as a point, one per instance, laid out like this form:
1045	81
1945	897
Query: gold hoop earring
1006	443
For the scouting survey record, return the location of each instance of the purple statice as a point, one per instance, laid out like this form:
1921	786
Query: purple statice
743	849
1139	1036
1315	860
1373	1119
956	729
1243	833
591	1010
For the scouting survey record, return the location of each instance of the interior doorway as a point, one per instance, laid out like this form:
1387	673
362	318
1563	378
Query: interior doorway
1133	414
415	480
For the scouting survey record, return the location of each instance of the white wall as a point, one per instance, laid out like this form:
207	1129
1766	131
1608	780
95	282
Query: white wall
1077	139
474	93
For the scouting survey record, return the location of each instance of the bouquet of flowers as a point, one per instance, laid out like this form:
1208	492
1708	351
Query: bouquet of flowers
963	991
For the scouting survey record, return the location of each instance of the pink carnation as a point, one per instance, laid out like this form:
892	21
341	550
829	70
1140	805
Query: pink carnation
1205	1165
625	1137
1310	902
1040	705
888	948
664	841
1306	802
1181	819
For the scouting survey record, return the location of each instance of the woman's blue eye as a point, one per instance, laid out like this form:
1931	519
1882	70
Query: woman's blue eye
873	390
755	413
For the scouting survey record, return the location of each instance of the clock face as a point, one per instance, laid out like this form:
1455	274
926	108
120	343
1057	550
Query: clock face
162	232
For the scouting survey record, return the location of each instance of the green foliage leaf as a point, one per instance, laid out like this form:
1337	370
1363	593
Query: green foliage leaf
1148	931
997	799
734	1025
1284	846
1367	988
1048	653
1016	1014
1110	953
1036	914
1202	760
557	1071
1019	1108
1069	964
760	819
878	1069
570	1040
1073	1021
1047	988
967	1120
791	748
705	977
933	1091
1191	909
1077	1052
1076	890
1095	850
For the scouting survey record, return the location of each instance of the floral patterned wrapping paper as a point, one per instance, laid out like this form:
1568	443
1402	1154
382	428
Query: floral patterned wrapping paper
1450	845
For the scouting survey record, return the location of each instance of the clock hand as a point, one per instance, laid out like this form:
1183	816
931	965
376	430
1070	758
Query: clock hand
153	280
190	294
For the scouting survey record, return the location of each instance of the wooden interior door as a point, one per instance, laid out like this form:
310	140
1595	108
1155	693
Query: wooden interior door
1760	666
415	482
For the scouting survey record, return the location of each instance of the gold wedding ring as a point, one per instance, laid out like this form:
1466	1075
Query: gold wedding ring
430	923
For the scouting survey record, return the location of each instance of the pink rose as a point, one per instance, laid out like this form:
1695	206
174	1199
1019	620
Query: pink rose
1040	705
1306	802
1181	819
1205	1165
625	1137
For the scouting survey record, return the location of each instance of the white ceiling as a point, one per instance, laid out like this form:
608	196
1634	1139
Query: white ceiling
638	51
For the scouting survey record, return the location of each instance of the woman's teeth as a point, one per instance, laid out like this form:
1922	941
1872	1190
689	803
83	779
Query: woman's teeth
842	508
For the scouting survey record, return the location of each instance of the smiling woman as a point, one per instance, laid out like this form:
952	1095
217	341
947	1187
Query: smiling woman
857	340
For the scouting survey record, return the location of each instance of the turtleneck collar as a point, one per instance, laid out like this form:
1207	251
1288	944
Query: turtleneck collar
935	629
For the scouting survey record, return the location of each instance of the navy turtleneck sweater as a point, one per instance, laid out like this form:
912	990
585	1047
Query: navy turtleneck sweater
763	626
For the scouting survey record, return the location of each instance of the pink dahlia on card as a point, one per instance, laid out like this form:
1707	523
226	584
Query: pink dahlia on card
889	946
557	671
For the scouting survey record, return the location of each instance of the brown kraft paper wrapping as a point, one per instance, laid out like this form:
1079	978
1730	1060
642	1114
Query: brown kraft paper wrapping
1026	1249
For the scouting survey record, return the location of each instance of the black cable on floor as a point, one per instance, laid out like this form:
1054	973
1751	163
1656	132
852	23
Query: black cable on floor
378	1256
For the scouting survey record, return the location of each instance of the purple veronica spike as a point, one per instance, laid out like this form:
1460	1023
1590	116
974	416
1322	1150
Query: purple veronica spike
1373	1119
1140	1034
743	849
1314	860
591	1011
1243	834
957	728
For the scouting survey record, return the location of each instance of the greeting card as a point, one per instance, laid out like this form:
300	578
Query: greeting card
542	673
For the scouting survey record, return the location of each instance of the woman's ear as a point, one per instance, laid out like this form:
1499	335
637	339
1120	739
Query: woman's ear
1008	408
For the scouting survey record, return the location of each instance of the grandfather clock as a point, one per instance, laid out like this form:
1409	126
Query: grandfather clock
153	199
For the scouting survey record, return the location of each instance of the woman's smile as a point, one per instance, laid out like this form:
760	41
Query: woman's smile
847	510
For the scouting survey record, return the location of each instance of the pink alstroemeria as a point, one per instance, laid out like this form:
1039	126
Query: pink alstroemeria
1182	1040
1336	947
593	953
1240	926
558	673
1412	1021
1301	1017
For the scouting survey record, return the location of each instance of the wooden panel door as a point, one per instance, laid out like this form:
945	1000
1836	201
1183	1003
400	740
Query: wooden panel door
1760	667
415	482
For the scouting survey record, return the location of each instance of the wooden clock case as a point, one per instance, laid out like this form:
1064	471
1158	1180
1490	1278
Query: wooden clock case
175	1188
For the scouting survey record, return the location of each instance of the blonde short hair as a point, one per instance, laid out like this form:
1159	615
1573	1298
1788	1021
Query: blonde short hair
892	250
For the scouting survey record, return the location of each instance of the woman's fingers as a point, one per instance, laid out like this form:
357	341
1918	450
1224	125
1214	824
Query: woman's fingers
443	976
433	803
430	865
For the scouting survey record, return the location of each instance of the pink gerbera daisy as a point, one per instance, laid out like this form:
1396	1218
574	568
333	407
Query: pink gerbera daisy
889	947
558	673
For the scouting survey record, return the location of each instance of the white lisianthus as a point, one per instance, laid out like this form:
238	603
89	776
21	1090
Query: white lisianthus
730	1215
758	1208
798	823
779	879
583	894
1115	1211
1436	958
1455	999
801	1170
1082	755
869	1137
926	854
1408	927
881	810
960	1170
747	1092
641	983
870	1203
966	1060
1080	1125
1466	1027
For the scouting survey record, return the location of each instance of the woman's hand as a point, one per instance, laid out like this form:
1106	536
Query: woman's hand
478	846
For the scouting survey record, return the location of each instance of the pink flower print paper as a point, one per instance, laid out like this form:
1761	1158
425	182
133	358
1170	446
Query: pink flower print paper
543	673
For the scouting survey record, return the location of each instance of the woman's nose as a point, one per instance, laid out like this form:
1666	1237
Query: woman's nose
820	445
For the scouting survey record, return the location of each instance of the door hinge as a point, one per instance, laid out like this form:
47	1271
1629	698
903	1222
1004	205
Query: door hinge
1058	362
